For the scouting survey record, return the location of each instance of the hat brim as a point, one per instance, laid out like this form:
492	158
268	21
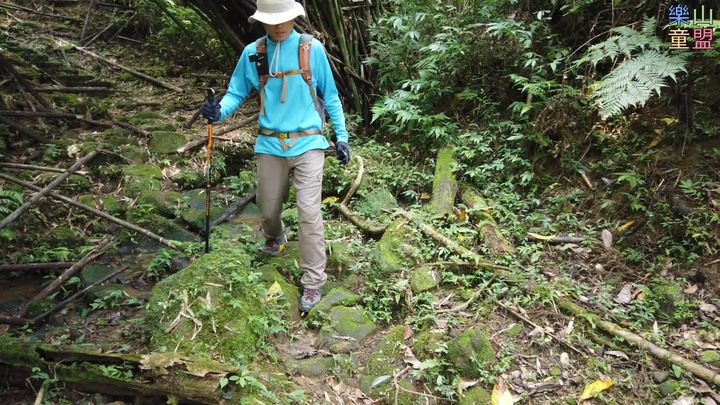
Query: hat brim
278	18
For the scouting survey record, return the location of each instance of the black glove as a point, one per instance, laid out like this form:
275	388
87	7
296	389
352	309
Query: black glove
342	152
211	110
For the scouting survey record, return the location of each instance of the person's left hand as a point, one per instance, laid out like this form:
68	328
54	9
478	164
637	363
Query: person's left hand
342	152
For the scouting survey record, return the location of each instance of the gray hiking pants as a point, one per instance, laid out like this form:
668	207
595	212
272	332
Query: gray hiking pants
273	175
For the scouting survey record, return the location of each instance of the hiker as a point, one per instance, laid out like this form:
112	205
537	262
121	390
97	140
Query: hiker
290	136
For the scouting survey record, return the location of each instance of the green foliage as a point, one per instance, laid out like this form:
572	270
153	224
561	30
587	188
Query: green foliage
643	70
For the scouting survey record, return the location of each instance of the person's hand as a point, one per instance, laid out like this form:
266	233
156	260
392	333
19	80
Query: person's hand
211	111
342	152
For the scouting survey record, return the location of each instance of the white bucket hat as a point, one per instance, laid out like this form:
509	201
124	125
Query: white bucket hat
275	12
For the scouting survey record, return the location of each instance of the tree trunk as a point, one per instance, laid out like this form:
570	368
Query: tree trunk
484	222
444	183
189	379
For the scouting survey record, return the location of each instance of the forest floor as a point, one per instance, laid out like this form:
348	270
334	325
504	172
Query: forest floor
544	355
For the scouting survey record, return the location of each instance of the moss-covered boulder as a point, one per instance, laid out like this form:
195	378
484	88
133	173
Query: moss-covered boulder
339	257
194	212
475	396
74	183
470	351
711	357
386	359
424	278
312	367
348	327
105	203
376	203
141	177
668	295
336	296
165	142
165	202
213	308
156	224
145	118
391	253
63	236
426	344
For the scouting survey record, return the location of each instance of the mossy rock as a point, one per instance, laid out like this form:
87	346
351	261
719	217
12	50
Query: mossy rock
290	293
166	142
194	212
105	203
385	360
339	257
515	330
336	296
426	343
348	327
93	273
133	153
667	294
476	396
391	251
63	236
313	367
74	183
165	202
375	203
424	278
236	298
470	351
711	357
145	118
141	177
156	224
669	387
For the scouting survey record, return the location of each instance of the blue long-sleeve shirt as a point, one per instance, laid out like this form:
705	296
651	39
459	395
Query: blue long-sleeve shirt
298	112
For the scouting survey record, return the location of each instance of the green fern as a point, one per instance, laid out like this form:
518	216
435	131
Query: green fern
9	200
645	69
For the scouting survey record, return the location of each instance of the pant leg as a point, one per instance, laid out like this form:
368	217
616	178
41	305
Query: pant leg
273	185
307	179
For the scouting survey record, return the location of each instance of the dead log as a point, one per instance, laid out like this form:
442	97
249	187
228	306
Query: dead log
160	375
127	69
353	217
60	89
555	239
579	312
160	239
7	268
24	131
484	222
40	194
33	167
88	258
444	183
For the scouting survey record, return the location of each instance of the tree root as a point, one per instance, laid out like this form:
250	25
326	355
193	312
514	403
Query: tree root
354	218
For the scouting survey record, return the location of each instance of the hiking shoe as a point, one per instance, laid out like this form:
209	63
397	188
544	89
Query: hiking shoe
309	299
274	246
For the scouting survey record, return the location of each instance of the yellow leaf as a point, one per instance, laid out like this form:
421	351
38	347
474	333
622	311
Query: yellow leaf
461	214
541	237
669	121
625	226
500	394
654	142
330	200
595	388
274	292
424	196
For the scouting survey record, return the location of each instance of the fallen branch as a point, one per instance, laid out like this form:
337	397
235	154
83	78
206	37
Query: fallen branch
92	255
77	295
24	131
160	239
555	239
31	11
353	217
216	134
60	89
40	194
132	128
41	168
25	83
127	69
234	208
698	370
7	268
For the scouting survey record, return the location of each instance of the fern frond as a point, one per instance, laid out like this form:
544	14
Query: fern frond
634	81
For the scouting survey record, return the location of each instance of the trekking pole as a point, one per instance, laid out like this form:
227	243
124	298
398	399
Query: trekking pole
211	97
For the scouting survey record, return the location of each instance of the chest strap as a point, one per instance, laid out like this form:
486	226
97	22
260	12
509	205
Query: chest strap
288	135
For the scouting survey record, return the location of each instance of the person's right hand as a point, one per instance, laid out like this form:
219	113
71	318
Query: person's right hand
211	111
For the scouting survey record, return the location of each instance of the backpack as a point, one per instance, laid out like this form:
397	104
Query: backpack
304	57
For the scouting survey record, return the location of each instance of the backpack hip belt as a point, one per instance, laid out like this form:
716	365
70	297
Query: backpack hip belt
293	136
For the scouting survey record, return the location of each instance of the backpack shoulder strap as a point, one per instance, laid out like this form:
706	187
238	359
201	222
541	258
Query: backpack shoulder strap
260	49
304	53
